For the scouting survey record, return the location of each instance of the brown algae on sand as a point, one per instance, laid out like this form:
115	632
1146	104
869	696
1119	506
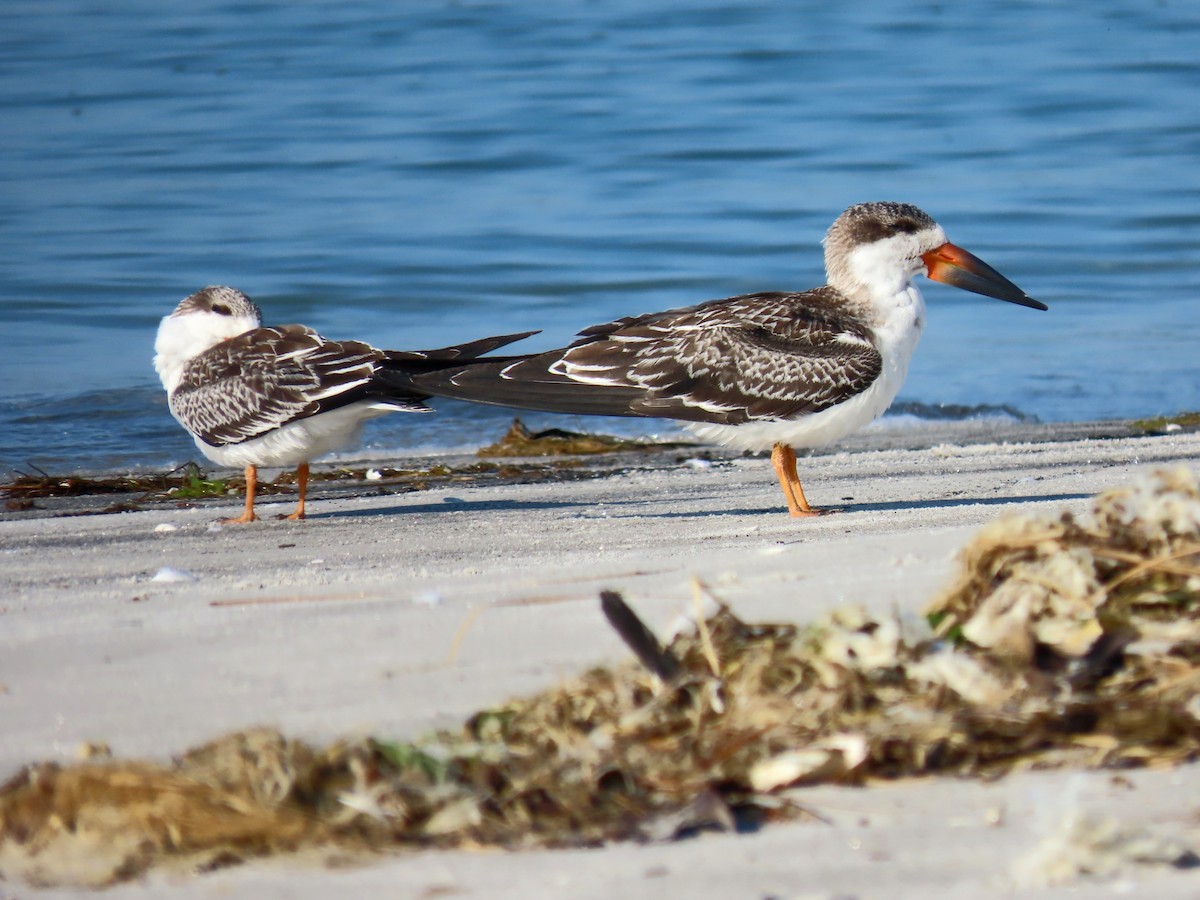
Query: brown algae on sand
189	484
1167	424
520	441
1072	641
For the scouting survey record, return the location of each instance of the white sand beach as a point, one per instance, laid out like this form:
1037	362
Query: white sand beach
394	614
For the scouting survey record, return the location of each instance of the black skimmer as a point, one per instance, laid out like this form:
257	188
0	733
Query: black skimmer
768	370
252	396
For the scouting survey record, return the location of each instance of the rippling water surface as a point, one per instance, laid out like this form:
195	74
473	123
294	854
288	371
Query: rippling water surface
419	173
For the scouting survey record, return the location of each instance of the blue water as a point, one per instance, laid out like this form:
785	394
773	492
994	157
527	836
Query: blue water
419	173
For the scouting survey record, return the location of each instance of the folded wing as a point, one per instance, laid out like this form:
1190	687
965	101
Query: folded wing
263	379
755	357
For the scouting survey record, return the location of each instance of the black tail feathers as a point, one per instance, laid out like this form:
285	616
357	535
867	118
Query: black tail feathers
433	360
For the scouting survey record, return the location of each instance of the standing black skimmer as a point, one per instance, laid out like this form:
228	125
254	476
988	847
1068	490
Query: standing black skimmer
254	396
769	370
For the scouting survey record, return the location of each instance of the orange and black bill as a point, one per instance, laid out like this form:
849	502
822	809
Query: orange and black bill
953	265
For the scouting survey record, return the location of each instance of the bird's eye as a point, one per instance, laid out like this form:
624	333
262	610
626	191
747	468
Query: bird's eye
221	309
906	226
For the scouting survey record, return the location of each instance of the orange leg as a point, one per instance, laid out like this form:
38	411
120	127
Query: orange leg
251	487
302	483
783	458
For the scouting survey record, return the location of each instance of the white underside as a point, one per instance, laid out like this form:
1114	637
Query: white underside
896	338
299	441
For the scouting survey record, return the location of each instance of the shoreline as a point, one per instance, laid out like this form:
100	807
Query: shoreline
396	614
653	454
468	436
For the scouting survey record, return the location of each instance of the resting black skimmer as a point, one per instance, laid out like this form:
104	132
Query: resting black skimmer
252	396
769	370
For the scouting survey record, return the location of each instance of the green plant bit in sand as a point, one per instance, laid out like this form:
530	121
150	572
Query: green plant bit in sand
1162	424
1073	645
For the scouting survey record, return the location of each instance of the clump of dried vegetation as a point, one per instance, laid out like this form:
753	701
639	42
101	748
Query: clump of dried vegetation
187	482
520	441
1072	641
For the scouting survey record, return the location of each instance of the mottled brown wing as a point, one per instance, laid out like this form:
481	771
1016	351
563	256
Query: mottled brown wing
759	356
247	386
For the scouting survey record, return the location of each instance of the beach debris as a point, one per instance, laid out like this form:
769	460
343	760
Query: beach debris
197	486
1168	424
637	637
520	441
172	575
1078	592
90	750
42	484
188	485
431	597
1064	641
1087	844
165	528
184	483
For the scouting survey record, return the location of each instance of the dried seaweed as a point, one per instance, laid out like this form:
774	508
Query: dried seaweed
520	441
1168	424
1128	568
1069	641
182	484
189	478
190	484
